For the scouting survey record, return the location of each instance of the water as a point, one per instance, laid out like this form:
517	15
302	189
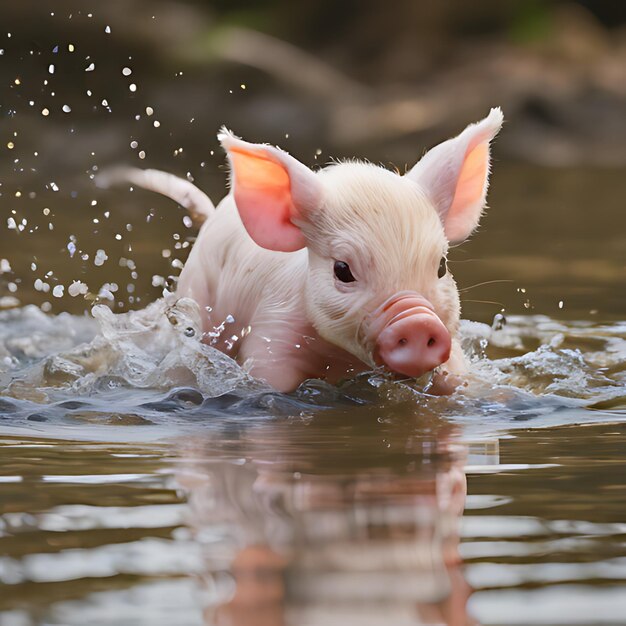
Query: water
154	482
146	479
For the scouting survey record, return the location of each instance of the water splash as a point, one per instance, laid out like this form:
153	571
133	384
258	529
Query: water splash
155	348
150	366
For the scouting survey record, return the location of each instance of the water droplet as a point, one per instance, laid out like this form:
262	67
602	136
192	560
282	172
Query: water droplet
58	290
91	67
100	258
132	87
10	145
156	123
142	154
77	288
67	108
134	144
126	71
107	30
498	322
149	110
45	112
51	68
18	81
70	47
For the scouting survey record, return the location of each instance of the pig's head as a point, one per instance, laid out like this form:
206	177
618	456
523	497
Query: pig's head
378	285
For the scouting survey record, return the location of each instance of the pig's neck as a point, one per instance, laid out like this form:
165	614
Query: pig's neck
277	341
287	356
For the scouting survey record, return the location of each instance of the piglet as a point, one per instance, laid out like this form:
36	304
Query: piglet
302	274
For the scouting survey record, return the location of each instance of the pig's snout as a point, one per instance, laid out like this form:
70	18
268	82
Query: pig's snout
409	338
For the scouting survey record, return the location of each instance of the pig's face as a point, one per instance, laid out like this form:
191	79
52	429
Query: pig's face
378	284
377	235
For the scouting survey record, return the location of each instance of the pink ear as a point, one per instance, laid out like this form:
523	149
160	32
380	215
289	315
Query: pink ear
271	190
455	176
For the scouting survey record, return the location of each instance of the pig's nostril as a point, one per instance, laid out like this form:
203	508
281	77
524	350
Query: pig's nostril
431	342
403	341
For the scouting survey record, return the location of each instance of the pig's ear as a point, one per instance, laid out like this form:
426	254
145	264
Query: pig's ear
455	176
272	190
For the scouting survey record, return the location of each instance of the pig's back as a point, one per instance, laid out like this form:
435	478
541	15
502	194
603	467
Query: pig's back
228	274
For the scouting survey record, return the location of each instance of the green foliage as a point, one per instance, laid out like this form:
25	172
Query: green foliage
531	21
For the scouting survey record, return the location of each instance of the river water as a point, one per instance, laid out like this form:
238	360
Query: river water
146	479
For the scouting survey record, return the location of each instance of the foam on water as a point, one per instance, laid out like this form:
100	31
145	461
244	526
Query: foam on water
150	367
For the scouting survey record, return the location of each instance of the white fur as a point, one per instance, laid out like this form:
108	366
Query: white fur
292	318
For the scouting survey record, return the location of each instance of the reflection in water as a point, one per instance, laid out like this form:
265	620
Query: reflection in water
151	534
296	533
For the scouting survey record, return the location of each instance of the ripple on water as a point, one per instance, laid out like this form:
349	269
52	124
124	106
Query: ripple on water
149	368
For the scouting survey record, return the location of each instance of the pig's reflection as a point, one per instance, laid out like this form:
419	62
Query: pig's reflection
307	523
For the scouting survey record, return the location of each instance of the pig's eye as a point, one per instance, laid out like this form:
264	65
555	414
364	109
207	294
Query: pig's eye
443	267
343	273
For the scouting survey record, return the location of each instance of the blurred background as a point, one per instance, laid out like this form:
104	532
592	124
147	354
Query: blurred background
85	85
